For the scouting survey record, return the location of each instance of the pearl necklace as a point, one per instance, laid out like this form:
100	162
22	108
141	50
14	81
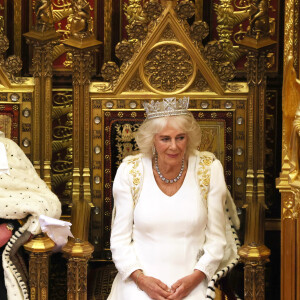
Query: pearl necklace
161	175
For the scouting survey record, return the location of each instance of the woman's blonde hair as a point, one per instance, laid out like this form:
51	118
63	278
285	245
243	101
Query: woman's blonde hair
149	128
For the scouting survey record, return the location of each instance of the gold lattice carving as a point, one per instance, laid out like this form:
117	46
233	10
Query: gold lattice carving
169	68
288	202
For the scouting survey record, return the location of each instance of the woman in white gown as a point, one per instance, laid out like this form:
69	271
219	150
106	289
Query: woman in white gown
168	237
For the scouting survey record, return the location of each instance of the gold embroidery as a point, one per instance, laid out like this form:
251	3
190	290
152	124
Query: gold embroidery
203	173
136	175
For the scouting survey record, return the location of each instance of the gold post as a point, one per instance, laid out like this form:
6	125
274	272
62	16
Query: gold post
43	43
82	44
290	270
254	253
39	250
78	253
198	10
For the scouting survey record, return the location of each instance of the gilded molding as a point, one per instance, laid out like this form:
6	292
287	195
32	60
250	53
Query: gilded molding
199	9
289	29
17	27
107	29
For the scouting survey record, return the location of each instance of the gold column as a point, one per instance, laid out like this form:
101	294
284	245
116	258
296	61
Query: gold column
39	250
17	27
78	254
107	29
254	253
290	229
43	43
296	192
198	10
82	51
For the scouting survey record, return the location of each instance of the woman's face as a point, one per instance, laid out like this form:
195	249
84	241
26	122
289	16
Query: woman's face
170	145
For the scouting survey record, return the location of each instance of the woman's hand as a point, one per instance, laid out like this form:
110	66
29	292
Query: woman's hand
185	285
153	287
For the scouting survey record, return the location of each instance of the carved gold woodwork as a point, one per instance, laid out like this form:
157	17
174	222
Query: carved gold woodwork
168	68
16	97
78	253
82	45
107	29
253	253
254	257
42	38
227	18
289	183
62	147
17	27
39	250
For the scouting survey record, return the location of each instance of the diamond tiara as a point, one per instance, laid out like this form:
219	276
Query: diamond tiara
167	107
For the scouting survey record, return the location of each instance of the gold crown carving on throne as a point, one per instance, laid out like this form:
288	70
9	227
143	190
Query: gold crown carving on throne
167	107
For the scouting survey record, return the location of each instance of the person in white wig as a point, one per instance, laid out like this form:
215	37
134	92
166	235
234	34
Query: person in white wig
23	196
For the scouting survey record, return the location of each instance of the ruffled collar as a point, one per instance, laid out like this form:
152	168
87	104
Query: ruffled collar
4	169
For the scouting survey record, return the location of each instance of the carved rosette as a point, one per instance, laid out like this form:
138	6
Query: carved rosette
199	30
137	30
169	68
213	51
124	50
185	9
226	71
110	71
152	9
14	64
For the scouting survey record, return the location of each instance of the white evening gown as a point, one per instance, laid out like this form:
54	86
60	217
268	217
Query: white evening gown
169	233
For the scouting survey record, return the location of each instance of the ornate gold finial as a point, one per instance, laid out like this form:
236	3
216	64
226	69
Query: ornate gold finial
44	16
80	20
259	21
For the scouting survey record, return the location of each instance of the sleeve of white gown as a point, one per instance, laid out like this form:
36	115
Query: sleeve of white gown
215	240
121	243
